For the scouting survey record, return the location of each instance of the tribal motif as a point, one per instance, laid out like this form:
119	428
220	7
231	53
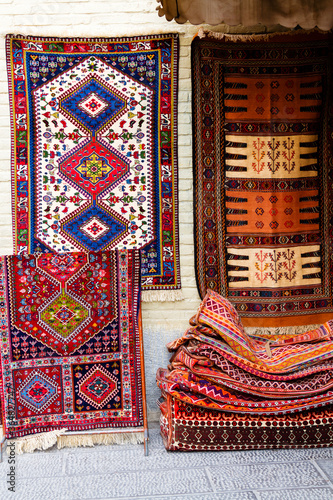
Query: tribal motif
185	427
218	373
94	148
199	391
263	182
70	348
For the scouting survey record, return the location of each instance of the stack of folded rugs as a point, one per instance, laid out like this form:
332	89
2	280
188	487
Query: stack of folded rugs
227	390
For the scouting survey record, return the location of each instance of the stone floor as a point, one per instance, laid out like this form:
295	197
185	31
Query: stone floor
112	472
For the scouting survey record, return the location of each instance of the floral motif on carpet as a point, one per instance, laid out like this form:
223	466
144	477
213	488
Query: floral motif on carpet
263	175
94	149
70	347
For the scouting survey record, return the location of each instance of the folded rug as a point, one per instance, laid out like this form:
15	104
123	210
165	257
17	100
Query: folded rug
219	373
186	427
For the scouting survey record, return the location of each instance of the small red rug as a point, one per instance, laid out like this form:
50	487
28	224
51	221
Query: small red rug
70	345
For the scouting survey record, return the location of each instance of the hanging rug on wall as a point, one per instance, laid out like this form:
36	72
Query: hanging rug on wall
263	133
70	345
94	149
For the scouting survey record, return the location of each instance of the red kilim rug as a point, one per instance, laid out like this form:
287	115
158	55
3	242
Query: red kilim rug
94	149
185	427
70	345
263	169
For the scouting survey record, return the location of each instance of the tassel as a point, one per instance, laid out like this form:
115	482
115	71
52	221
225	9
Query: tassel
161	295
42	441
280	330
249	37
74	441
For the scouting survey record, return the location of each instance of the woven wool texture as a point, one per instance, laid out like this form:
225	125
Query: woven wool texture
263	175
230	390
70	347
185	427
98	168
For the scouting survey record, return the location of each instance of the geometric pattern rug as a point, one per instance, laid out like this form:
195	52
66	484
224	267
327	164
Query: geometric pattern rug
263	174
185	427
94	149
70	346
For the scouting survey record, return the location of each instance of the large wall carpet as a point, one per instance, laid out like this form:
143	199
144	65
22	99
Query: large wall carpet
70	346
94	149
263	170
186	427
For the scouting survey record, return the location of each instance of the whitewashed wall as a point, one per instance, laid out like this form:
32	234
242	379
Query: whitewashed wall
162	322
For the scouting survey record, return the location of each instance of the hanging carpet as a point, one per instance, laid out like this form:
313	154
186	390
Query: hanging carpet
70	346
263	194
94	149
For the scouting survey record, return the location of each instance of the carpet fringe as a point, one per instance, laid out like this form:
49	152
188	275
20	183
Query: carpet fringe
250	37
161	295
42	441
279	330
68	441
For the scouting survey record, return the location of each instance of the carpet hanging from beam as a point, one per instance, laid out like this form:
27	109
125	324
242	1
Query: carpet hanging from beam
263	169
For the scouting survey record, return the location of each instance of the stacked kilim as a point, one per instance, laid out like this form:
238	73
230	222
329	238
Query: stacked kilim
94	149
225	389
70	345
263	170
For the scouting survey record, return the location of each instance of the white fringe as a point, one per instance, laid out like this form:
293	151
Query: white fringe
280	330
161	295
66	440
42	441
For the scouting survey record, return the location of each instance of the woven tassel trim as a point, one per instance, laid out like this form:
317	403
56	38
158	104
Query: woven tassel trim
41	441
249	37
46	440
280	330
68	441
161	295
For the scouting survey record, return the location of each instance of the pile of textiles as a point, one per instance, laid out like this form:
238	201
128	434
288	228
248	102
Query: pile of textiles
226	389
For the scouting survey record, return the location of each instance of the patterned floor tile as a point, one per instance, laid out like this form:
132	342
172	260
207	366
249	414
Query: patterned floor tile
116	485
108	459
265	476
244	495
35	465
299	494
159	458
327	467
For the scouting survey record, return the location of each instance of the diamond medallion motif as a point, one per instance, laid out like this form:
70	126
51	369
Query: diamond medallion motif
88	229
94	105
37	392
98	386
64	316
94	168
95	228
